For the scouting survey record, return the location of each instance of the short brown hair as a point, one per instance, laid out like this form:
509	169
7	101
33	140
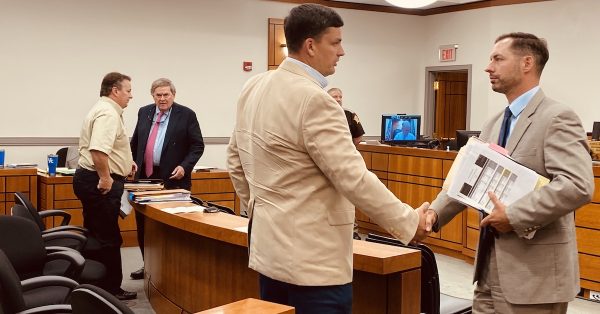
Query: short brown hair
524	43
110	80
162	82
308	21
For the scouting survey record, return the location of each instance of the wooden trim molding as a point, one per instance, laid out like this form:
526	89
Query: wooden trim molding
422	12
74	141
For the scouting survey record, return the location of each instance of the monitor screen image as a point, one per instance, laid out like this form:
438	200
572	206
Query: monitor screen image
462	136
399	128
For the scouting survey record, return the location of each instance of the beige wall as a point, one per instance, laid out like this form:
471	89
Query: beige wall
54	54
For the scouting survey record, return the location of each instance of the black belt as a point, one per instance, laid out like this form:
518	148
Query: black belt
115	176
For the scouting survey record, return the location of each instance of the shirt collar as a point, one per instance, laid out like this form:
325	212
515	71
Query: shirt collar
165	115
311	71
114	104
517	106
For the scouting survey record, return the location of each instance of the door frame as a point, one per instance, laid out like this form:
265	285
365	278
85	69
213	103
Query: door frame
429	112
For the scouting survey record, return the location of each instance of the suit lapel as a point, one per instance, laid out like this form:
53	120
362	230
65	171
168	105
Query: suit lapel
171	126
145	126
524	121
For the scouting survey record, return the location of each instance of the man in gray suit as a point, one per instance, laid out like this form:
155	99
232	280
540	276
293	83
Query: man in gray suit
527	257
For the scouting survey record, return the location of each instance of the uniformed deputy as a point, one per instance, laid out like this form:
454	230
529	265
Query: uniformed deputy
356	129
105	160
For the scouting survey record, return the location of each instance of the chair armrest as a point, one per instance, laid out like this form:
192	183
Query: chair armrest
55	212
49	309
51	236
44	281
76	262
52	249
66	228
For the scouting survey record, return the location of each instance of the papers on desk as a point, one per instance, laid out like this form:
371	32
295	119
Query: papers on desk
65	171
480	167
203	168
144	185
22	165
184	209
178	195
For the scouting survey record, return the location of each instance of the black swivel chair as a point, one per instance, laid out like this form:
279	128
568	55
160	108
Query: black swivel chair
62	156
89	299
432	300
24	208
22	242
46	294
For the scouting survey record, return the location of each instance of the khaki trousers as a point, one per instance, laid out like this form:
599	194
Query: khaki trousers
489	298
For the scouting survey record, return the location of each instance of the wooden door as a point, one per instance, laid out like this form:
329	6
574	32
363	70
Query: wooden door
277	46
450	103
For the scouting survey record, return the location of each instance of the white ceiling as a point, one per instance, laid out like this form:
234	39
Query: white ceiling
441	3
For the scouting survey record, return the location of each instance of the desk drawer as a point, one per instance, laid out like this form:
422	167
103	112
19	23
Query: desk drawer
587	216
64	192
588	267
588	241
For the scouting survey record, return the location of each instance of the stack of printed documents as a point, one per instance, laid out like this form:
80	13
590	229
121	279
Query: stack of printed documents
480	167
178	195
144	185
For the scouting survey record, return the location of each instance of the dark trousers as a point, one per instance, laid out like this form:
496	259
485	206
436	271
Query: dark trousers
308	299
100	217
169	184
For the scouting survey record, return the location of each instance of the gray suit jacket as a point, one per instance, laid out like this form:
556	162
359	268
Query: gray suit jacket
549	139
293	164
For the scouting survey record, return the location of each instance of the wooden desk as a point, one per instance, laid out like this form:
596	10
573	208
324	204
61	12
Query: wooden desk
251	306
57	193
197	261
16	180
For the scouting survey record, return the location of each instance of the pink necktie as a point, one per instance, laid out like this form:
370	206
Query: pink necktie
148	155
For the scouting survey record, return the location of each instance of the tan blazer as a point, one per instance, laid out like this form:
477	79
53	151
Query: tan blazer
293	164
549	139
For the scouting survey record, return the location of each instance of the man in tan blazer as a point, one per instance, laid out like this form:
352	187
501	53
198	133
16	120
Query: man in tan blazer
527	256
296	170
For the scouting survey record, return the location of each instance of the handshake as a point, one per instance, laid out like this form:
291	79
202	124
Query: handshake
427	218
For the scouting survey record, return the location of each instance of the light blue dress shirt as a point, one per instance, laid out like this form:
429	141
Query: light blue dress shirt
518	105
312	72
160	136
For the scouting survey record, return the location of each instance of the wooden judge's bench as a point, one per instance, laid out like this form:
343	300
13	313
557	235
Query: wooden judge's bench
416	175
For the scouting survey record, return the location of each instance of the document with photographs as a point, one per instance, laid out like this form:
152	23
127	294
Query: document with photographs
480	167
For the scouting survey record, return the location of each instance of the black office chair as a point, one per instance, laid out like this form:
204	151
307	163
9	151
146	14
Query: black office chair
432	300
22	242
24	208
89	299
46	294
62	157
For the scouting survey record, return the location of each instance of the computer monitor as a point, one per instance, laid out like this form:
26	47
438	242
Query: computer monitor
462	137
400	128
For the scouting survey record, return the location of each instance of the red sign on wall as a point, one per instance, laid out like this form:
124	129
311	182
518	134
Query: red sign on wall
448	53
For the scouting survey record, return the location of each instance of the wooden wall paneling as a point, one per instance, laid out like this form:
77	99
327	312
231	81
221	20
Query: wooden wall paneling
160	304
212	186
453	230
2	183
588	241
446	165
596	196
588	268
420	166
379	161
3	209
367	158
413	194
587	215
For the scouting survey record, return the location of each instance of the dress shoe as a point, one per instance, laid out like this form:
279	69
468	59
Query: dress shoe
356	236
125	295
138	274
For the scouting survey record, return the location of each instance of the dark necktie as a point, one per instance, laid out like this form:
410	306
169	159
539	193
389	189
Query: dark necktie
487	234
505	128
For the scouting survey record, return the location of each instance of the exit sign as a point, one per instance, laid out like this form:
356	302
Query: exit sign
448	53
